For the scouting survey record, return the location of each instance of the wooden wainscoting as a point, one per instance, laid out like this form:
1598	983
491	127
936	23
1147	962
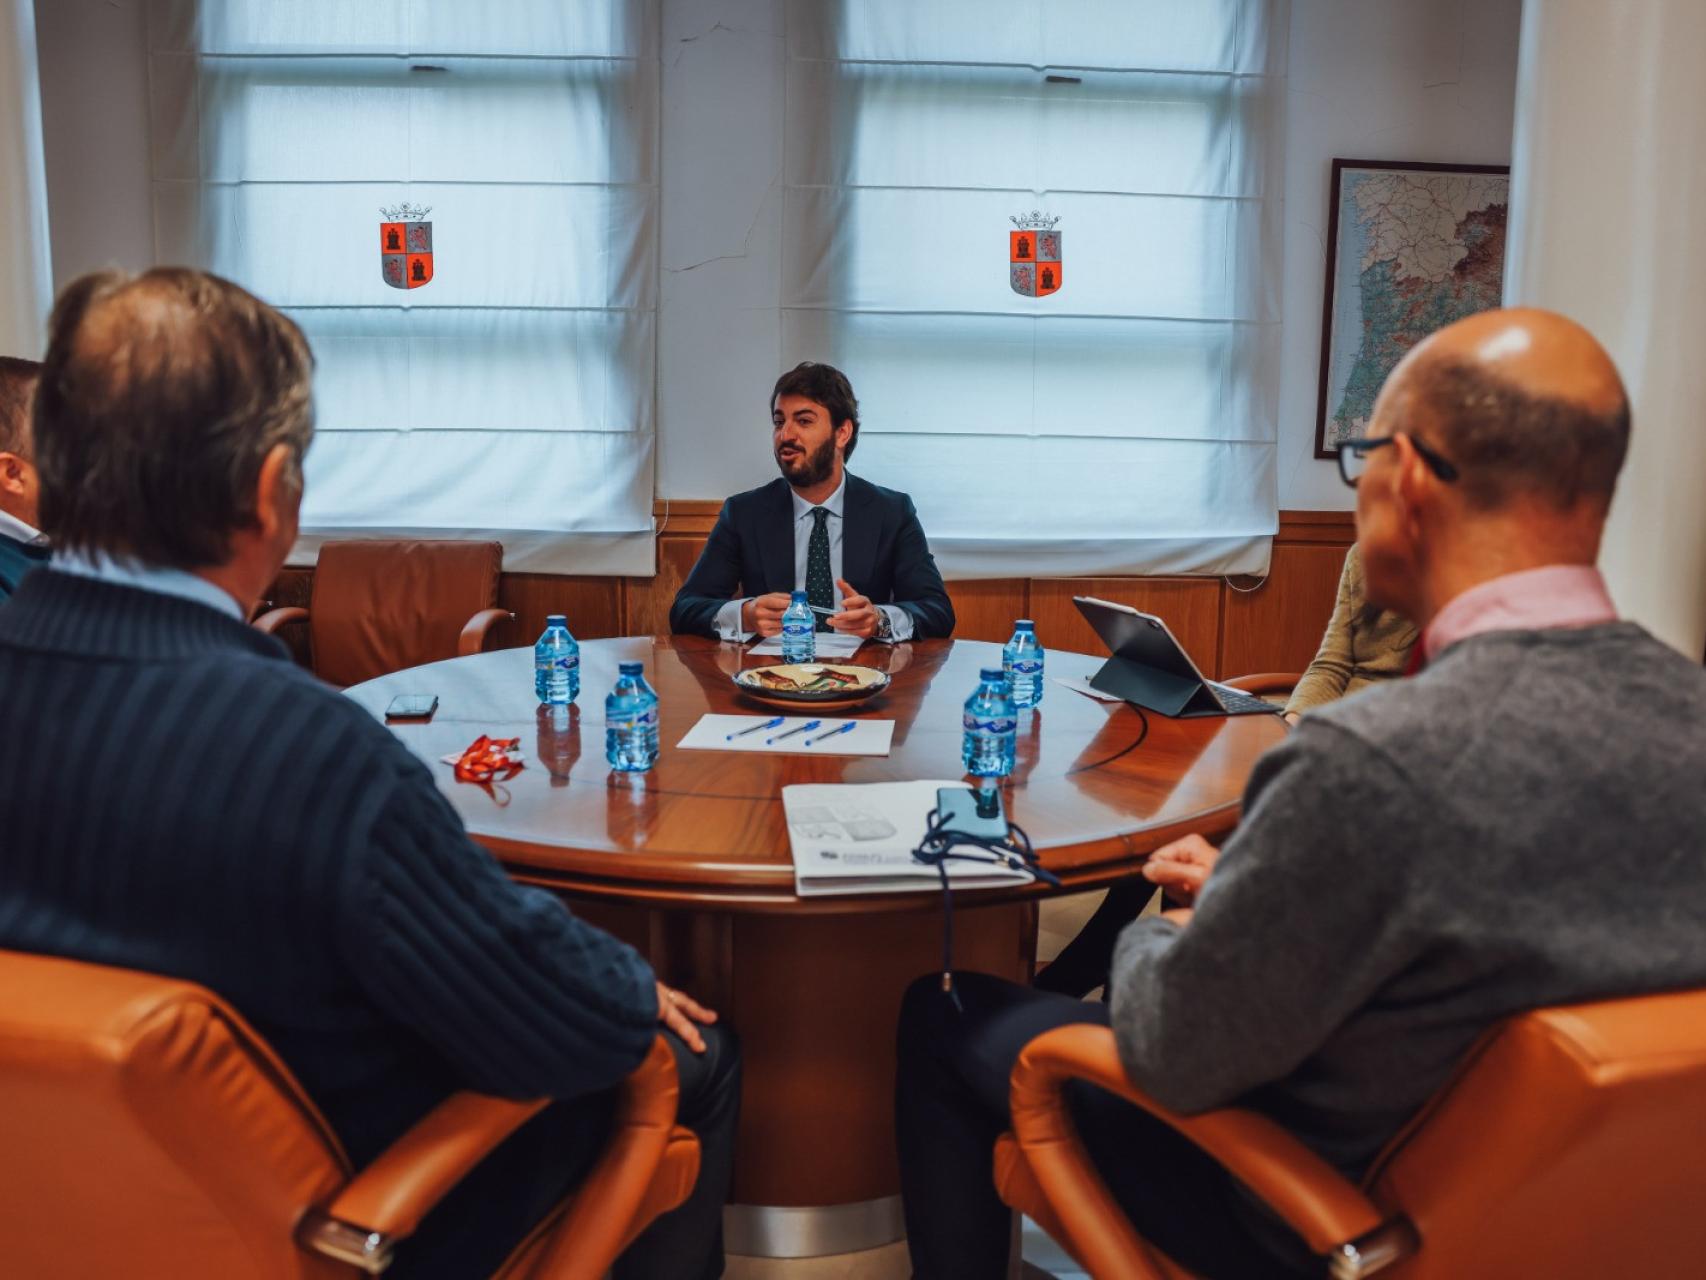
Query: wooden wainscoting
1230	626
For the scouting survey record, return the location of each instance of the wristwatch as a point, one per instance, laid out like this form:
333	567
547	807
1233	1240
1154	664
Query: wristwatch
885	628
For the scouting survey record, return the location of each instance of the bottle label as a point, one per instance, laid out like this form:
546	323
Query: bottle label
1026	666
567	663
640	720
995	724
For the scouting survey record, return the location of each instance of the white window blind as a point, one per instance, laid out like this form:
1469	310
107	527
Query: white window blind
512	396
1124	424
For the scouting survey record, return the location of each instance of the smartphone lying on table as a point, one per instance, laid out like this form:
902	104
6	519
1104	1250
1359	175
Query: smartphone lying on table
412	706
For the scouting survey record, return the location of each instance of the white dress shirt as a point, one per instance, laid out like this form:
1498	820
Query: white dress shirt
728	617
168	582
16	529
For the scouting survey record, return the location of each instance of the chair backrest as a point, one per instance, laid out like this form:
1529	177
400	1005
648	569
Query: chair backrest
147	1132
1572	1144
380	606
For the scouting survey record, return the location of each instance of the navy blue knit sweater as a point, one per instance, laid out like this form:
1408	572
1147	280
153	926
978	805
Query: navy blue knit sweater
181	799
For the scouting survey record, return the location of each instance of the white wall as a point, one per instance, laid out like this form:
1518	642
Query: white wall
1370	79
1431	80
24	291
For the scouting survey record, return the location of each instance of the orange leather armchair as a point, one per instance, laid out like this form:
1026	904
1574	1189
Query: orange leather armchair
1570	1144
380	606
147	1132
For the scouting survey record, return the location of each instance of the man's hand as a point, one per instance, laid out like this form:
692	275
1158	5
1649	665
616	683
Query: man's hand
679	1011
1292	717
763	614
1180	916
1181	868
858	616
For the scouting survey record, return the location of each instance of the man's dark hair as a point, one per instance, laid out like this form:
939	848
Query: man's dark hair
160	397
828	386
1507	442
17	383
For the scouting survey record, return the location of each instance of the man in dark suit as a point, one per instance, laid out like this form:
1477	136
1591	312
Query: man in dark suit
855	548
205	809
22	546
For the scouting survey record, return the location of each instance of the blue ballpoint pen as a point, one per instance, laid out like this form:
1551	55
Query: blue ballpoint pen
805	728
741	733
844	728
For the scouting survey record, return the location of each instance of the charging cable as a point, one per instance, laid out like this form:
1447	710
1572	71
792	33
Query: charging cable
942	844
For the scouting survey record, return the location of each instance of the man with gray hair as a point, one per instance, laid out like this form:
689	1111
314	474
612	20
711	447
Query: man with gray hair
1518	825
22	546
189	802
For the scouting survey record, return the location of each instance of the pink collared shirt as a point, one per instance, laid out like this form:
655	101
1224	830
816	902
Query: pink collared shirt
1558	595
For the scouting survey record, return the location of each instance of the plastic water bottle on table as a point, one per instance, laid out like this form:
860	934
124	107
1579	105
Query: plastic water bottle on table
1022	660
557	663
991	726
631	721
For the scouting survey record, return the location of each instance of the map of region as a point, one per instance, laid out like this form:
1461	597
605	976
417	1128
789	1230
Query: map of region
1416	251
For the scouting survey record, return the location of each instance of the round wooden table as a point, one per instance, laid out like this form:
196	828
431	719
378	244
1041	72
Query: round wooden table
690	863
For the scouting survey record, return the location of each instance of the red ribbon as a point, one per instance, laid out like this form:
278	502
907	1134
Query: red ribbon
489	760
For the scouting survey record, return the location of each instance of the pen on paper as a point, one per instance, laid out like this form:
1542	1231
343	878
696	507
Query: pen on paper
848	727
768	724
807	727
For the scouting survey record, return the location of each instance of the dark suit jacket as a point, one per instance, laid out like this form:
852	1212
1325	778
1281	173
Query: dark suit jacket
751	552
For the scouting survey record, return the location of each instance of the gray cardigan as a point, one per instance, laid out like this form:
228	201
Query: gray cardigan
1523	824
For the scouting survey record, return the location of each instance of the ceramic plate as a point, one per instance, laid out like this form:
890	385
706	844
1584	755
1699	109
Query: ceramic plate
818	684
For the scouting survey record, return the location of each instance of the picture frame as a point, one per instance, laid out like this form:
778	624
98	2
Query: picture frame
1429	246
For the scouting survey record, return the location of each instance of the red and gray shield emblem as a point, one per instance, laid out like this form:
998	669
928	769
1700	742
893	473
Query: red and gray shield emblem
1034	264
405	254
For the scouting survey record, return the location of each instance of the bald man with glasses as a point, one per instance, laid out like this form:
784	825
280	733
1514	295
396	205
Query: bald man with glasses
1517	825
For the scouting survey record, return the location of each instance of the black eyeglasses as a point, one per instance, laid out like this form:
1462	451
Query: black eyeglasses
1353	458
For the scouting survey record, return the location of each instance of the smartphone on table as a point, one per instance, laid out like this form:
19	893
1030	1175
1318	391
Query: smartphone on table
412	706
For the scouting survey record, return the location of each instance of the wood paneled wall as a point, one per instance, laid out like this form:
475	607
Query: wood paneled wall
1230	626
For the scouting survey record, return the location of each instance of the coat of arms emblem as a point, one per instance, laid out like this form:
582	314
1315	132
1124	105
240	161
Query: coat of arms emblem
1034	264
405	246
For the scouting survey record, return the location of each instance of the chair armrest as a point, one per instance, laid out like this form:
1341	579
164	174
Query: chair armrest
473	637
273	619
606	1213
1318	1203
1267	682
386	1201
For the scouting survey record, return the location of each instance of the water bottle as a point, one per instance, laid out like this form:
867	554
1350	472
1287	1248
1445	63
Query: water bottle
557	663
799	630
991	724
1022	660
631	721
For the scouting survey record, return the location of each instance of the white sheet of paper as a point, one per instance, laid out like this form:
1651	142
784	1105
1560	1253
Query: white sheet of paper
866	738
859	839
829	645
1079	684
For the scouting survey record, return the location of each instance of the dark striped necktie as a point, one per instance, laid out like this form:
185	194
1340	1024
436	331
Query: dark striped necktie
820	583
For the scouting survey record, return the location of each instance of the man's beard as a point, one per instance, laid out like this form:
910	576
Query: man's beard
813	468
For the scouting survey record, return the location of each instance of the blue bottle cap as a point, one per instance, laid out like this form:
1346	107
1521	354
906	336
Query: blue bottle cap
994	673
1024	624
556	619
631	668
799	597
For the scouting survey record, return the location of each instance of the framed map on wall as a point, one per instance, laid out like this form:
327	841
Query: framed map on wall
1410	248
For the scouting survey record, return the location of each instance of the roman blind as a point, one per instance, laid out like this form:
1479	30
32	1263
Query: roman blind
509	393
1119	417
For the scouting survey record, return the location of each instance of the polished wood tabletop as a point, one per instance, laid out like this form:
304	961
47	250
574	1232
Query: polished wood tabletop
1097	785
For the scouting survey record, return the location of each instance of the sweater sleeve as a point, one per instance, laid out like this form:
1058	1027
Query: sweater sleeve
1298	925
520	997
1330	671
